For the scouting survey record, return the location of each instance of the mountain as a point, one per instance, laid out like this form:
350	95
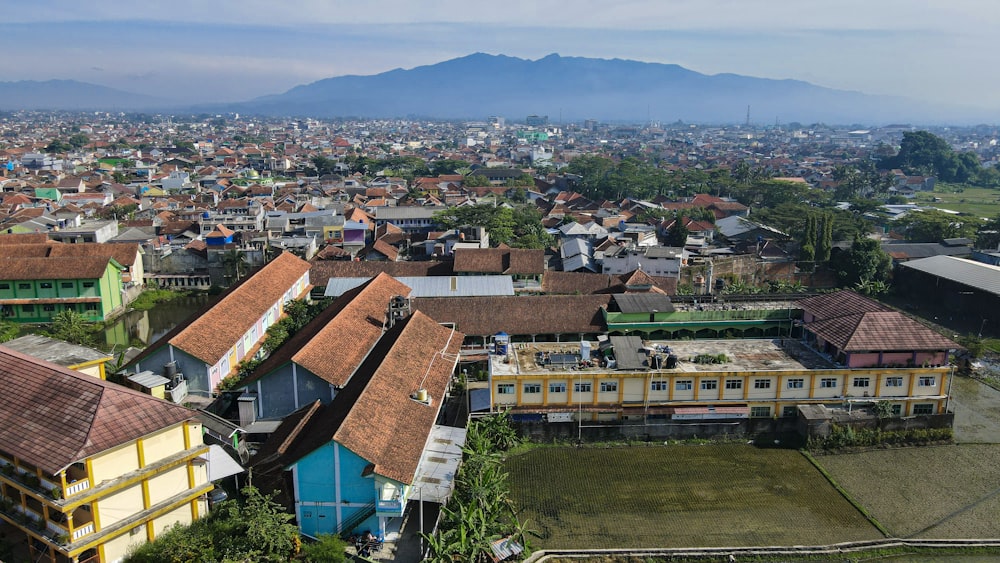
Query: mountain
575	88
71	95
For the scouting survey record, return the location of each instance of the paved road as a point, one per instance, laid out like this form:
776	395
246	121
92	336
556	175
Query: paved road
977	411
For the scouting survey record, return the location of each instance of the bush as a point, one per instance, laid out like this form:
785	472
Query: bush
326	549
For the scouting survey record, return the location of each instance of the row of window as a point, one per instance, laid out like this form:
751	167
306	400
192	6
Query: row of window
792	410
46	285
8	310
712	384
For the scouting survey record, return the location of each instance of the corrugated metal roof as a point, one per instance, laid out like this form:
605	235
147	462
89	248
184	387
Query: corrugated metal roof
435	286
967	272
643	303
629	353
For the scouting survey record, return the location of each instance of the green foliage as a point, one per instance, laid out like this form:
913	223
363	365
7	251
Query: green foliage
78	140
475	181
710	359
255	528
678	233
883	409
933	225
850	437
863	264
825	242
72	327
973	344
924	153
519	226
439	167
9	331
328	548
149	298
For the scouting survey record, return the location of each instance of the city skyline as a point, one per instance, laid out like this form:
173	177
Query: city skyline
196	52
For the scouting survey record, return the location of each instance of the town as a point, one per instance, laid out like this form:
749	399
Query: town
381	301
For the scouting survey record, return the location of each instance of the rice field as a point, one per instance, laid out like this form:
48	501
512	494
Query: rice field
934	492
679	496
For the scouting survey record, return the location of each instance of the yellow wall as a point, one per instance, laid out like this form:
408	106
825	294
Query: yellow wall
168	484
117	548
181	515
163	444
114	463
120	505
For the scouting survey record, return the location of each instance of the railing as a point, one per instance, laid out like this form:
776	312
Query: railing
83	531
389	505
360	516
77	487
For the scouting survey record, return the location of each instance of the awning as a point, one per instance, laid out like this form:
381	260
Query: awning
435	476
220	463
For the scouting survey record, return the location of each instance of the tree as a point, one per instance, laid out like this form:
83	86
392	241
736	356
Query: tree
78	140
825	242
678	233
933	225
236	265
72	327
863	265
9	331
328	548
447	166
988	235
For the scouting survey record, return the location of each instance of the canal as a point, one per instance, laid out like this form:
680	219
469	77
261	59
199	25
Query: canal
141	328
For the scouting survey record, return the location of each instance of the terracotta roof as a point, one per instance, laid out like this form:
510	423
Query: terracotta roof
840	303
63	268
500	260
210	336
587	283
323	270
416	353
23	238
52	417
537	314
334	343
879	331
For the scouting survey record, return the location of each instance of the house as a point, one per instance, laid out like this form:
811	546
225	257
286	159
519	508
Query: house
852	351
35	288
525	265
321	358
210	345
83	359
653	260
105	468
353	464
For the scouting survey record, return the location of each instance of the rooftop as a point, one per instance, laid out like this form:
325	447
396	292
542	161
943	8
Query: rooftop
743	356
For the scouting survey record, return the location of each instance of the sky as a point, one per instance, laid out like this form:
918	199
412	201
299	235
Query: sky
204	51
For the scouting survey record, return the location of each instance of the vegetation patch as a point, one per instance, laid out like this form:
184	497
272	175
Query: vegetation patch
725	495
151	297
934	492
845	437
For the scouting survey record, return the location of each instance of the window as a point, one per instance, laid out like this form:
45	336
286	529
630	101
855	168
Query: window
45	285
4	286
659	386
789	411
48	307
734	384
796	383
505	389
760	411
532	388
828	382
762	384
923	408
87	284
894	381
24	286
582	388
709	384
861	382
66	285
28	308
557	387
897	409
90	306
684	385
927	381
609	386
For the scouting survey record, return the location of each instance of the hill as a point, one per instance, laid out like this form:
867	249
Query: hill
70	95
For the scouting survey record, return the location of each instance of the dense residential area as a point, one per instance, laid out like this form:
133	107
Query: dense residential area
414	338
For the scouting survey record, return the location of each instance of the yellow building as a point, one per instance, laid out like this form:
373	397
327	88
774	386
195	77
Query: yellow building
698	380
89	468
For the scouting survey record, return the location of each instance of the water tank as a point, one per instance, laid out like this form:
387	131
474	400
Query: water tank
170	370
584	350
205	215
501	341
671	361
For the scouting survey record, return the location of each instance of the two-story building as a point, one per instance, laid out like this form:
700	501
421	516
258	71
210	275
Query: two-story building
88	468
211	344
33	289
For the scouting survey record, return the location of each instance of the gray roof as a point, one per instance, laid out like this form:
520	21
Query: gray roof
643	302
925	249
579	261
629	352
575	246
435	286
55	351
405	212
966	272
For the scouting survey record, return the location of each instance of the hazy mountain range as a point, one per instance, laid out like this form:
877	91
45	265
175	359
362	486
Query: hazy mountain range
566	88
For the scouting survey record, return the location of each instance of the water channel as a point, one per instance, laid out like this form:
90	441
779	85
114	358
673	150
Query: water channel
141	328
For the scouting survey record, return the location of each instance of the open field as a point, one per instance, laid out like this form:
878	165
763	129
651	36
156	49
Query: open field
934	492
981	202
673	496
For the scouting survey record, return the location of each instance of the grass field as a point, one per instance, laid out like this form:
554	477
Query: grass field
679	496
981	202
935	492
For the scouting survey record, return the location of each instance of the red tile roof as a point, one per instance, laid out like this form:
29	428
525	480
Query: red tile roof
210	336
879	331
840	303
500	260
537	314
52	417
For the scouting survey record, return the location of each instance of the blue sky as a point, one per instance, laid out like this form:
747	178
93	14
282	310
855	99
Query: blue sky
227	50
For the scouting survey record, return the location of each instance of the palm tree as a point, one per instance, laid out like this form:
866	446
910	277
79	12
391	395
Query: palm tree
236	264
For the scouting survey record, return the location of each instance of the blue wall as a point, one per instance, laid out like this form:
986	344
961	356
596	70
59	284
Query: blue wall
317	477
277	391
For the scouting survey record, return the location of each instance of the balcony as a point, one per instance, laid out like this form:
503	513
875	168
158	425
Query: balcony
82	531
77	487
394	505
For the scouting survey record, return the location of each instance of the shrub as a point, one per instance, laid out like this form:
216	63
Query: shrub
326	549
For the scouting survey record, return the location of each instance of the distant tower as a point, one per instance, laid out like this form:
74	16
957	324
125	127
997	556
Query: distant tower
748	116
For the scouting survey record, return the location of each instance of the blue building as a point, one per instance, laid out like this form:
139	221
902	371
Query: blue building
354	463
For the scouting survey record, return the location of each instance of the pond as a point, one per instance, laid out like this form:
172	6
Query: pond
141	328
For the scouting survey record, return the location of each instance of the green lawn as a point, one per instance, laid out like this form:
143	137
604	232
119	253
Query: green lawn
679	496
934	492
981	202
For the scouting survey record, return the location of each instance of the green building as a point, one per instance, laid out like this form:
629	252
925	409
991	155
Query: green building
35	289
